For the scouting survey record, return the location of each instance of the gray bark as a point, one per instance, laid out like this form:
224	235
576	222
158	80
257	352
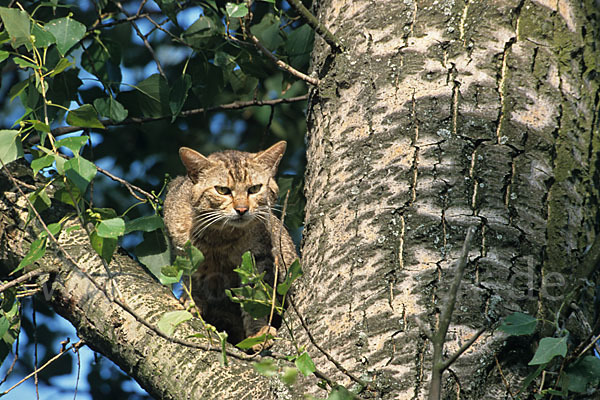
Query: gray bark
443	115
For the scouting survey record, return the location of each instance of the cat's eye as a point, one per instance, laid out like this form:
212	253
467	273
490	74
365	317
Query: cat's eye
254	189
223	190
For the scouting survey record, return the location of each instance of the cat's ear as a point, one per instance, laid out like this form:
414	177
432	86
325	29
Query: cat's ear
270	157
193	161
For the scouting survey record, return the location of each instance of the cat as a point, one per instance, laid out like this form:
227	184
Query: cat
224	207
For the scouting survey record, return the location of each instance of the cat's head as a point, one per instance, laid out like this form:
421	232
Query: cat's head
232	188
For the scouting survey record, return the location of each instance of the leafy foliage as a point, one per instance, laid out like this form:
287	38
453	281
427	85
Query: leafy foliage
75	78
580	375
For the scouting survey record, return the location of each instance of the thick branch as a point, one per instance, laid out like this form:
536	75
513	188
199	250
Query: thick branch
166	369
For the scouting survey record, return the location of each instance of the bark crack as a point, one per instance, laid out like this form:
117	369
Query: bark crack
503	73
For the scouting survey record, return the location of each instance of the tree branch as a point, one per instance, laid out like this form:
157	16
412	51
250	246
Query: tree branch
314	23
439	336
141	120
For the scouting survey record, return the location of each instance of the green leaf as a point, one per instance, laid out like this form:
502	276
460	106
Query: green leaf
299	46
267	32
40	200
85	117
170	274
169	321
178	94
518	324
305	364
549	348
265	367
105	247
289	376
153	252
54	229
67	32
23	63
62	65
10	146
41	37
73	143
294	272
9	312
4	55
146	224
585	372
236	10
41	163
204	28
194	255
111	228
36	251
111	109
80	171
251	341
223	338
68	194
340	393
18	25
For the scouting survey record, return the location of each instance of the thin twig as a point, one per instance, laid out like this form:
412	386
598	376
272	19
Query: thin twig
22	278
144	39
131	187
439	336
141	120
506	383
314	23
50	361
282	65
463	348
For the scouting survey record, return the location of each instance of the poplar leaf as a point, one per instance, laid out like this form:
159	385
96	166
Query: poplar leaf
67	32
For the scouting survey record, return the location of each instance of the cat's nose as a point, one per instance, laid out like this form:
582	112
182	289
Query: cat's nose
241	210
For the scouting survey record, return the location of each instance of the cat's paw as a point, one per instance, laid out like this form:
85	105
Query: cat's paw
265	330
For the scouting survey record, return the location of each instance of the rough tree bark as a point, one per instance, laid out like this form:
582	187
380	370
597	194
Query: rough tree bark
443	115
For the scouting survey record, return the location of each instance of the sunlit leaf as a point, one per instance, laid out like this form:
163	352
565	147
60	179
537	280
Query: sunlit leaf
10	146
111	228
171	319
80	171
36	251
73	143
67	32
236	10
265	367
305	364
18	25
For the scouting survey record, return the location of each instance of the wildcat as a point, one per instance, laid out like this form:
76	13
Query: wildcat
223	206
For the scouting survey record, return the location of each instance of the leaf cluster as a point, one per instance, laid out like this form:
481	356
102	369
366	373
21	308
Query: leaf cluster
579	376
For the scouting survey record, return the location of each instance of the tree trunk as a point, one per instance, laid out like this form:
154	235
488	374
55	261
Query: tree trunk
440	116
165	368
